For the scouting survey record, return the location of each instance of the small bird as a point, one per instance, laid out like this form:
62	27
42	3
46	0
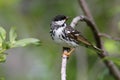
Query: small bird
67	36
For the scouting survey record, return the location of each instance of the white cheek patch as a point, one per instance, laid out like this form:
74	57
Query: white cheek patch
60	22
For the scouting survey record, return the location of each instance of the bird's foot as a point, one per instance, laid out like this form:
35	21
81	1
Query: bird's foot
68	53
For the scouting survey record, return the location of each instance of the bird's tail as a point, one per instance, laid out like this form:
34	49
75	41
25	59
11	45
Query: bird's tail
90	46
96	49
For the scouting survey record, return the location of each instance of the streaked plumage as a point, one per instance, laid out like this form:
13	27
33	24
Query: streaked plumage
66	35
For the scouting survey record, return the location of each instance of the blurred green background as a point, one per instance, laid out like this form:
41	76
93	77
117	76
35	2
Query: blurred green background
32	19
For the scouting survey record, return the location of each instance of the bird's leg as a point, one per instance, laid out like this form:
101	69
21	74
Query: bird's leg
71	50
67	51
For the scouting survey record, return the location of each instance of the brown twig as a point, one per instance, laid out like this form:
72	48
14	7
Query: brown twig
91	23
108	36
85	9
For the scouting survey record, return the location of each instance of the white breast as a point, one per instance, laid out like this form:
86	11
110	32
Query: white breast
58	38
58	33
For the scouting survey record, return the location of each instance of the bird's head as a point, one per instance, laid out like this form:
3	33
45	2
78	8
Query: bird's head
60	19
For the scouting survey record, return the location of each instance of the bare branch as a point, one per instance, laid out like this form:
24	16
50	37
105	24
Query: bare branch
108	36
85	9
91	23
75	20
63	67
64	62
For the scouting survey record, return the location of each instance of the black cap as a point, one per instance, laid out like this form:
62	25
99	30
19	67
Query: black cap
59	17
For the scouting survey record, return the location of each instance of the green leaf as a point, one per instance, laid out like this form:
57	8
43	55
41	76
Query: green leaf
2	34
2	57
6	45
25	42
12	35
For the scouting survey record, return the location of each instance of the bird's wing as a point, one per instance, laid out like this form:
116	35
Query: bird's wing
74	34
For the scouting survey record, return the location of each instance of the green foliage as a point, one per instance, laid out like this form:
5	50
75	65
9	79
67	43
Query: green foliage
12	35
33	17
2	35
12	43
111	46
24	42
